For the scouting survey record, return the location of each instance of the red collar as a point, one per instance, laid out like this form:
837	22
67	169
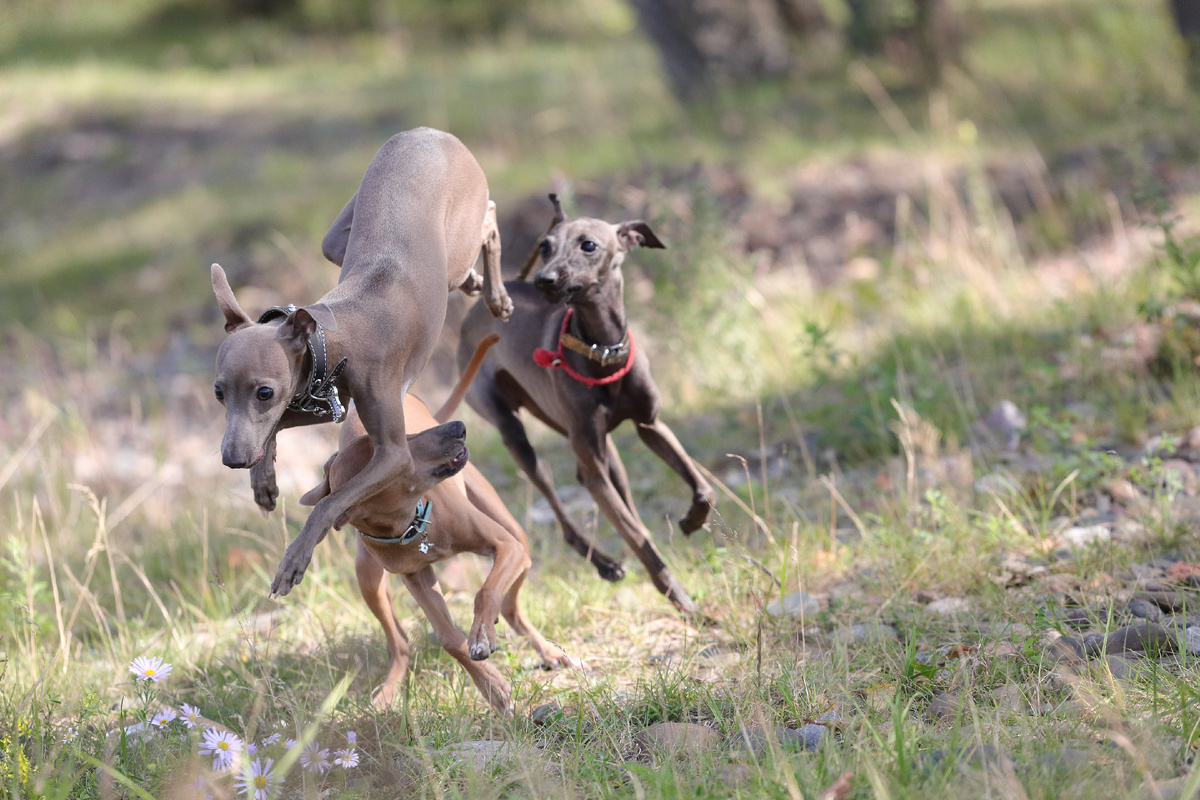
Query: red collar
554	359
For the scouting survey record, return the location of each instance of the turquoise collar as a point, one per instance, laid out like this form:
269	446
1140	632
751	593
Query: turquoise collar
416	528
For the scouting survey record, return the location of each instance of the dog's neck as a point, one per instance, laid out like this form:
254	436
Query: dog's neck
602	320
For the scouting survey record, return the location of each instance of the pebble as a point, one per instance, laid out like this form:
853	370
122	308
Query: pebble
1122	668
1065	650
1144	609
1006	421
796	604
757	739
943	705
1192	641
676	737
546	714
1085	535
948	606
1140	637
867	633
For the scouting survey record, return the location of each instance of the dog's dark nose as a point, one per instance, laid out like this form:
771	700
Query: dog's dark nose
456	429
545	281
233	463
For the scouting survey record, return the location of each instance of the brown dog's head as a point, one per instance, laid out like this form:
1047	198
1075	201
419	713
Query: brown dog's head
438	453
577	257
259	371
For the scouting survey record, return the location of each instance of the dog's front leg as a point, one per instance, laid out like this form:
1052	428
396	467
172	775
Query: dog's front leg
424	588
594	472
388	460
659	438
262	474
510	563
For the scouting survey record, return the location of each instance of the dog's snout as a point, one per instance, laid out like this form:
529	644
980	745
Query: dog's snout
545	280
457	430
233	462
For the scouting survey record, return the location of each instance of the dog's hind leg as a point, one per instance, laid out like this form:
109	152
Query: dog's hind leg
552	657
494	293
376	590
661	439
333	246
489	681
512	432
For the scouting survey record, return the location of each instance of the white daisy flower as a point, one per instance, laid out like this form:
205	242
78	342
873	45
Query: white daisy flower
197	790
190	715
71	735
314	759
165	715
223	746
346	758
272	739
259	780
137	732
289	744
150	668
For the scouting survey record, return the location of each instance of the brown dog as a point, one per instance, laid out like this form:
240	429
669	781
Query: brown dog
412	232
400	535
569	359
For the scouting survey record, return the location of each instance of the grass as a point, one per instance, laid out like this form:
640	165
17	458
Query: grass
840	420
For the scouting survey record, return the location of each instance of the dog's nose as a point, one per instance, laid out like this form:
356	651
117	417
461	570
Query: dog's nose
233	463
545	280
457	430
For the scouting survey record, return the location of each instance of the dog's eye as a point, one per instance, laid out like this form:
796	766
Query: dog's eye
220	393
544	249
588	246
265	393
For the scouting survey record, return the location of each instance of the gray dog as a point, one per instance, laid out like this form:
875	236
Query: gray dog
568	358
409	235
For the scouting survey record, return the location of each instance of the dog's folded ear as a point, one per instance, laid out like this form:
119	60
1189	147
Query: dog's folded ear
302	322
235	317
636	233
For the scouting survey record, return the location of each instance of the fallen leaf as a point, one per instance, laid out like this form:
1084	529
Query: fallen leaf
839	789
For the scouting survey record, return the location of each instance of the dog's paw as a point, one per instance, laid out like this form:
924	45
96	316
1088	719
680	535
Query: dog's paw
564	661
611	571
482	643
266	490
697	516
291	570
500	304
385	696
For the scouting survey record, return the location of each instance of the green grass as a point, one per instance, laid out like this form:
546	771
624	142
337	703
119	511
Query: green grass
124	536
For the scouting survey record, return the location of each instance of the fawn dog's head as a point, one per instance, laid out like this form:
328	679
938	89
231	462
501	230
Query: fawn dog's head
577	258
260	368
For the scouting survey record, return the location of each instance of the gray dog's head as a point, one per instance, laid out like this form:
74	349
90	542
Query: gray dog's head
259	370
577	257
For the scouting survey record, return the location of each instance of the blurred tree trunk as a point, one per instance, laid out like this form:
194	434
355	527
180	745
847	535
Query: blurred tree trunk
707	43
1187	19
926	35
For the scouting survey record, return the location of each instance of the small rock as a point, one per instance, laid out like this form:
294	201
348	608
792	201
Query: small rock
1145	572
1143	609
1007	423
1065	650
546	714
943	705
1167	561
948	606
756	740
1120	667
1191	642
796	604
1123	491
868	633
1011	697
1140	637
1084	536
676	737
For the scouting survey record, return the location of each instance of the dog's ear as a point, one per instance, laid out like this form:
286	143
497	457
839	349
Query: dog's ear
531	262
302	323
637	234
235	318
313	495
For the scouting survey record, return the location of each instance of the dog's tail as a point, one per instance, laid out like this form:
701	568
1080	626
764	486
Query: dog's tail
460	390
